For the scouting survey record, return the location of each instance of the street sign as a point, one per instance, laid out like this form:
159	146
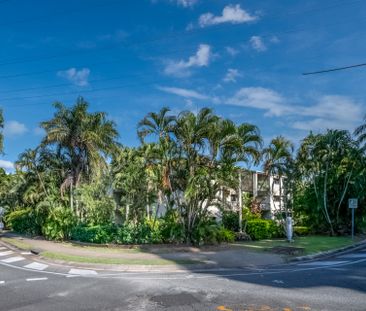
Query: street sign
352	203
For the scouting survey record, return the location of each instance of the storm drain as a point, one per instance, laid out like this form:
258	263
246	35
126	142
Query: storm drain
172	300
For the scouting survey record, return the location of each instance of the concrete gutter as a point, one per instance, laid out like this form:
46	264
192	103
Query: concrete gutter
330	253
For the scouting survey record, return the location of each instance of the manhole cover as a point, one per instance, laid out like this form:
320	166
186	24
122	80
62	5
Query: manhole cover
175	300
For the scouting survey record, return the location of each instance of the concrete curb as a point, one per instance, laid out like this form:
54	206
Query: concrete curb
325	254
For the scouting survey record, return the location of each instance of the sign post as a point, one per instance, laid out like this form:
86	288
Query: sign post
352	204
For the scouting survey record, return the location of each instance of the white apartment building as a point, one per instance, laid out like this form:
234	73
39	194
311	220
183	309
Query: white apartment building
267	193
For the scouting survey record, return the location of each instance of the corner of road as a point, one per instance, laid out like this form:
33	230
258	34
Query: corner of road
330	253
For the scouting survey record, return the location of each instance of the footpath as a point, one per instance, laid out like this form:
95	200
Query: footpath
140	258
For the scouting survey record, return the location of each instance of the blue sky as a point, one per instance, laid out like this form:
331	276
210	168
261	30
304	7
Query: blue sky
242	58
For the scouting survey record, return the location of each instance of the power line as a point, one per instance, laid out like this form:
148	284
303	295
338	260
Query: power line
333	69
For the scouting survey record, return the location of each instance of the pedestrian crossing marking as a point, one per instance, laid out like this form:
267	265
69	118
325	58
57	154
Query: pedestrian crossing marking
2	254
36	266
82	272
13	259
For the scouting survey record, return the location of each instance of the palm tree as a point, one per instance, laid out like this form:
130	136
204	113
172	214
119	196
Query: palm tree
360	133
28	160
82	138
277	159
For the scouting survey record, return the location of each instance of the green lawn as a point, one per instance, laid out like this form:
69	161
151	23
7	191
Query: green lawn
116	261
312	244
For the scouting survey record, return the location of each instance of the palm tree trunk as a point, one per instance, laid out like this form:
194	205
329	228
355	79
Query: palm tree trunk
325	205
71	197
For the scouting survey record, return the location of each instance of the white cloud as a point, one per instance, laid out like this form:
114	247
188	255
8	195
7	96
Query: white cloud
186	3
329	111
7	165
77	77
186	93
257	44
231	75
232	51
181	68
260	98
14	128
233	14
274	39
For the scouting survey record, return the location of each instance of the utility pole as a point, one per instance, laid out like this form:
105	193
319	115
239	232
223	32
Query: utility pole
240	196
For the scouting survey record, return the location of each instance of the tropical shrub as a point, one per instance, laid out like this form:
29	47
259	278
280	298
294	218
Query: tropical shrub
58	224
302	230
260	229
230	220
24	221
171	230
95	234
225	235
94	203
143	233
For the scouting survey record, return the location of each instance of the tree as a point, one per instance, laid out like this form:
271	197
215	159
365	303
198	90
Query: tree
193	156
84	140
131	183
360	133
327	165
277	163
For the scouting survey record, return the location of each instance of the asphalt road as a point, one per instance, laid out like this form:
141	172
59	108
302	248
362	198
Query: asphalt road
337	283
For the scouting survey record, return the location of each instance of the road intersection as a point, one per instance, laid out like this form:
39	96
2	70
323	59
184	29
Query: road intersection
338	283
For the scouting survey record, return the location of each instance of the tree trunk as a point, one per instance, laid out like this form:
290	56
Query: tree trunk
325	203
71	197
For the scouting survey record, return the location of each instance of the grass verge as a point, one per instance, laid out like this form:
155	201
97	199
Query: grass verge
116	261
17	243
311	244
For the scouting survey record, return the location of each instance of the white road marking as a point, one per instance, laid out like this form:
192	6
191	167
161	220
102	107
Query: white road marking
82	272
5	253
2	282
322	263
13	259
36	279
278	281
26	253
2	248
360	255
36	266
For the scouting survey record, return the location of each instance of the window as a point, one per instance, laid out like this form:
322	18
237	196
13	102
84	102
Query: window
233	198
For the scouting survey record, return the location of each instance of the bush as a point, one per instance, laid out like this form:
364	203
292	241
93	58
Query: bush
260	229
58	224
171	230
302	230
142	233
94	234
25	221
230	220
225	235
